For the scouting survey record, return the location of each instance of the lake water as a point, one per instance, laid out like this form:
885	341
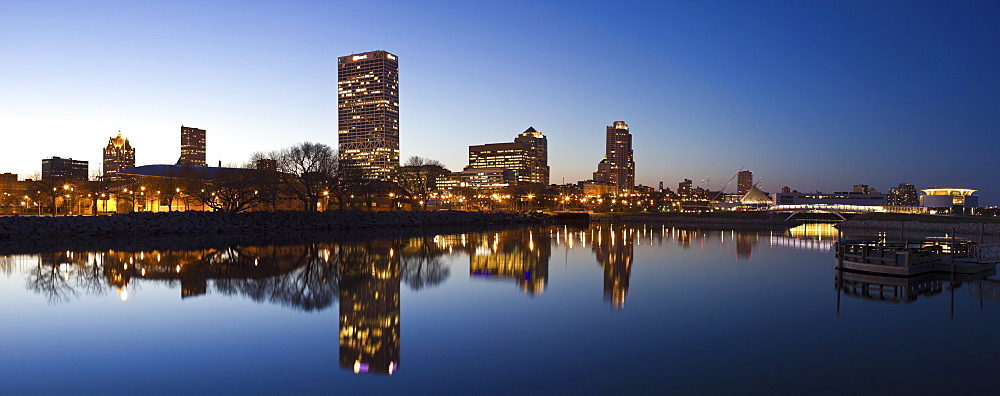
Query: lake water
584	310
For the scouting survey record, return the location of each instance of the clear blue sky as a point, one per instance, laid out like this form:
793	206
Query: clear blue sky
812	95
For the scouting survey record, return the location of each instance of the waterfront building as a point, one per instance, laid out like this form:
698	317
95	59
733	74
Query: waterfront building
950	200
839	199
903	195
368	114
684	189
192	147
744	182
485	178
863	189
596	189
8	181
618	165
67	169
118	156
526	156
755	197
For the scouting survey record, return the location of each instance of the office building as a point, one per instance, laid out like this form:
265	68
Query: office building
684	189
485	179
903	195
66	169
368	114
863	189
744	182
118	156
527	157
192	147
618	165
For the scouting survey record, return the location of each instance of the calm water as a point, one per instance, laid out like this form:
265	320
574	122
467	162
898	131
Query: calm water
605	309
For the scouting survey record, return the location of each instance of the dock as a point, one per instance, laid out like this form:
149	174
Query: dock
906	259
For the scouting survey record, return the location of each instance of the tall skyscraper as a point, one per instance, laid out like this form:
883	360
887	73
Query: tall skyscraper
192	147
744	182
68	169
618	165
527	156
118	156
368	114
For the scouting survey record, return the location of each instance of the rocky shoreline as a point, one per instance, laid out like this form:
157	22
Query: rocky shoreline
183	223
919	226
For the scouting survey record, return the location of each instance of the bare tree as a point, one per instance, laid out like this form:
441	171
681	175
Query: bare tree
307	170
233	190
48	190
418	177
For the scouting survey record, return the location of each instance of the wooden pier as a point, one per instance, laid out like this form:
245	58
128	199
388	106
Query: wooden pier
916	258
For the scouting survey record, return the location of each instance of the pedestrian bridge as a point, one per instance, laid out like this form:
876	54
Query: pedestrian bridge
835	209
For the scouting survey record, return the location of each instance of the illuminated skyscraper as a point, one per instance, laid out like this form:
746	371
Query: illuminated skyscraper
118	156
618	166
744	182
527	156
368	114
192	147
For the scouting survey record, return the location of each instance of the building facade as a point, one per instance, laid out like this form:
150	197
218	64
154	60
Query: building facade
835	199
863	189
67	169
618	165
527	157
192	147
903	195
368	114
744	182
950	200
118	156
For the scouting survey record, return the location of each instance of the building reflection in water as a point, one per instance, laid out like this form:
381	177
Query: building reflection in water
809	236
745	243
366	277
521	256
369	307
614	250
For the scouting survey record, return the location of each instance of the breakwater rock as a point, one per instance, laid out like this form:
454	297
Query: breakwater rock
757	222
174	223
919	226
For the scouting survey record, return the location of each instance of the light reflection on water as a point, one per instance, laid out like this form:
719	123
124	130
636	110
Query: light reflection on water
362	284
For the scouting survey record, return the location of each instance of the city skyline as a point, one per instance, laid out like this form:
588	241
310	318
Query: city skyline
789	90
